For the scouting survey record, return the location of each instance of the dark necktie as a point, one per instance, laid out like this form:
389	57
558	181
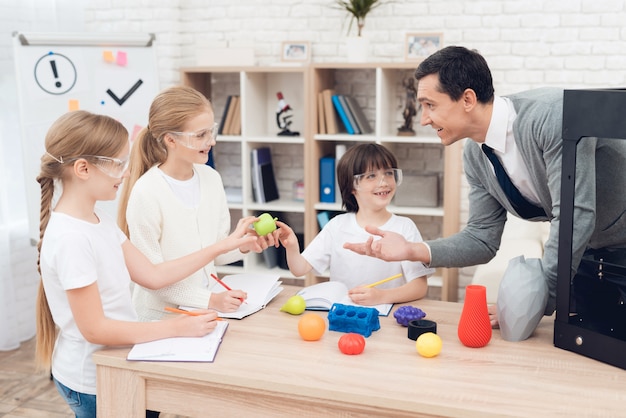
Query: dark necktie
521	205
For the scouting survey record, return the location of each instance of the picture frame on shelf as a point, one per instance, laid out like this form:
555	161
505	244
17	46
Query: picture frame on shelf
296	52
418	46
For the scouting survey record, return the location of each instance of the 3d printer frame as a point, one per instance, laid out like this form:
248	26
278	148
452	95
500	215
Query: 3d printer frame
586	113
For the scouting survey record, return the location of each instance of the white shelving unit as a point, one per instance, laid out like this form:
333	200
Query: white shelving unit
257	88
379	90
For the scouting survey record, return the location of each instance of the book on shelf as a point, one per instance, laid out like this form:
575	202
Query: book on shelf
264	184
342	114
344	104
211	160
270	257
340	149
327	179
321	117
228	123
323	218
220	130
330	115
235	127
192	349
322	296
358	115
233	194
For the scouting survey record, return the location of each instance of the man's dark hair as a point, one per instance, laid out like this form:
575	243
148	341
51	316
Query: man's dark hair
459	69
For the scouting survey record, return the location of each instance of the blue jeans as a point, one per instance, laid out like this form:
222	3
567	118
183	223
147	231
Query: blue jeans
83	405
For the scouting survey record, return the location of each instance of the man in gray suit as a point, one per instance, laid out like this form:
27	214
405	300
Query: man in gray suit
521	133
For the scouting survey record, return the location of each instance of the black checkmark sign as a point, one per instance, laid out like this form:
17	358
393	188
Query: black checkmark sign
127	95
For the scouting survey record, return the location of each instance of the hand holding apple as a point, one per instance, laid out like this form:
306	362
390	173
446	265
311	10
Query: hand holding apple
265	225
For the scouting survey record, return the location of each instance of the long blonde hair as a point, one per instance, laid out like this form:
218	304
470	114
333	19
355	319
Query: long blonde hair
73	135
169	112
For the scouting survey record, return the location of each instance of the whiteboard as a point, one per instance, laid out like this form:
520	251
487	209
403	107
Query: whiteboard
112	74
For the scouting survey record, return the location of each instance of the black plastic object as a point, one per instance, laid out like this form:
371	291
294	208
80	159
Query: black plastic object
586	113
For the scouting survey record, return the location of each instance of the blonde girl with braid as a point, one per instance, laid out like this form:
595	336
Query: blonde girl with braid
87	263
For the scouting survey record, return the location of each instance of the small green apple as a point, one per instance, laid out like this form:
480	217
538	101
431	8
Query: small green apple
265	224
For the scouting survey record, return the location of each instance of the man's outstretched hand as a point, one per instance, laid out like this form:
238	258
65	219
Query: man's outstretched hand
390	247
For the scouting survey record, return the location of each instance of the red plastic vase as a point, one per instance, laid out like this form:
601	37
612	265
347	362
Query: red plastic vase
474	326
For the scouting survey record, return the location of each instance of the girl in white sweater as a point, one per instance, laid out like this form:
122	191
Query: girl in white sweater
174	203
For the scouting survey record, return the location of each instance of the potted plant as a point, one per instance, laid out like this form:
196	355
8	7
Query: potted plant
358	10
358	47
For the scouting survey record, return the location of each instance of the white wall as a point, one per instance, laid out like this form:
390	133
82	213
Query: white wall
528	43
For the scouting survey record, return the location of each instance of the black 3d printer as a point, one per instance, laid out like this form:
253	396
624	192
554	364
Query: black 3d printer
587	113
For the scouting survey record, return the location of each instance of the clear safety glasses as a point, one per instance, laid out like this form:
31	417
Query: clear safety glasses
197	140
374	179
113	167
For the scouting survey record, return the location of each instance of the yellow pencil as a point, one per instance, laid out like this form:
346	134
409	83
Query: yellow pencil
384	280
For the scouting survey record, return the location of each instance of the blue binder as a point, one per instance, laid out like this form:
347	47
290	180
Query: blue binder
327	179
342	114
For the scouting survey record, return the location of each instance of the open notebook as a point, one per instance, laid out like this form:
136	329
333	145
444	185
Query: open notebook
181	348
321	296
261	289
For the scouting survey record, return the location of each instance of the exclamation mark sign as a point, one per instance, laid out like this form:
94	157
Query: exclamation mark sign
53	64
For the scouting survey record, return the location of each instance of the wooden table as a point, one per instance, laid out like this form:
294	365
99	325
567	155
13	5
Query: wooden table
264	368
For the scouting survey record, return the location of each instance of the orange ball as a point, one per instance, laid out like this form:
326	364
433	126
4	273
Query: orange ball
311	327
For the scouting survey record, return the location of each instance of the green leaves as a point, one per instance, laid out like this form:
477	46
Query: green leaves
358	9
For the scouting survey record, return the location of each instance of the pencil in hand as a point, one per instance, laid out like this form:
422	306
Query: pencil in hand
182	311
384	280
217	279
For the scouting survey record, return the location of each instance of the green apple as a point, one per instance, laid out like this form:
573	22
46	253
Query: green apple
265	224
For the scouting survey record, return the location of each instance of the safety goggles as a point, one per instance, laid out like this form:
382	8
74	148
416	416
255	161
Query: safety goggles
113	167
373	179
197	140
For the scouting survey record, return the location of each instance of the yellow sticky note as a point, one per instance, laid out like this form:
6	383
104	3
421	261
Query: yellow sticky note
108	56
73	105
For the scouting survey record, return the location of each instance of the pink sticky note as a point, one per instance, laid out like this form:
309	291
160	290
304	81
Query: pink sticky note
108	56
72	105
135	132
121	58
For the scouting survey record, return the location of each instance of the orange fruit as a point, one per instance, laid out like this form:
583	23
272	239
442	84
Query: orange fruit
311	327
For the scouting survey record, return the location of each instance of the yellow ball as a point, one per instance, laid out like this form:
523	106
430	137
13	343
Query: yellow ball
428	344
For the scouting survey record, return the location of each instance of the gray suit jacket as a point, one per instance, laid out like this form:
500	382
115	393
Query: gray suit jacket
600	172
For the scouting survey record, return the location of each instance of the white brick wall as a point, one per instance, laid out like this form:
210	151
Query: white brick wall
528	43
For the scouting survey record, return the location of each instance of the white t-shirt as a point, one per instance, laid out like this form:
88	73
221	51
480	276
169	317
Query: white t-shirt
326	251
188	191
75	254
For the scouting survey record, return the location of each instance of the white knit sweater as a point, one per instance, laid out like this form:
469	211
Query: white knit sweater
163	228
